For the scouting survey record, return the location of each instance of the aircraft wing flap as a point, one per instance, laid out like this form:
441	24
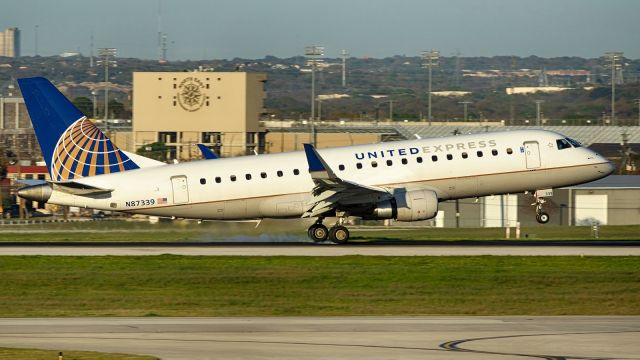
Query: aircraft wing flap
330	191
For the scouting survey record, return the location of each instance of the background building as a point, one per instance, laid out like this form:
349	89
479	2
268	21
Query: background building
10	42
16	132
219	109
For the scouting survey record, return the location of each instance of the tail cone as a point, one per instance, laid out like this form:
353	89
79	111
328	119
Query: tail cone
39	193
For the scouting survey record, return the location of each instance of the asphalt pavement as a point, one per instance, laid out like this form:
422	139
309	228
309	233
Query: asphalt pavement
423	337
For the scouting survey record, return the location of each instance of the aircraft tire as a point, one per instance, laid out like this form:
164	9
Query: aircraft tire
542	218
339	234
318	233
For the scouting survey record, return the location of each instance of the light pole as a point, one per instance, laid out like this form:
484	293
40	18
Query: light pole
430	59
344	67
614	56
465	104
390	108
538	103
313	52
106	56
95	104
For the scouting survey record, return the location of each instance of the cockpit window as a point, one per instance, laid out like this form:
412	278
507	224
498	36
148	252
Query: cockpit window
563	144
573	142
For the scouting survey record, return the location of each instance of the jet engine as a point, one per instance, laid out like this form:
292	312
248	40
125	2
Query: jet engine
408	206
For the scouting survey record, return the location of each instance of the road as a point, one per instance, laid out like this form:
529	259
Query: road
566	337
301	249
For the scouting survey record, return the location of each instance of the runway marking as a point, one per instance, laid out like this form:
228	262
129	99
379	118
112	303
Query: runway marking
453	346
50	336
444	347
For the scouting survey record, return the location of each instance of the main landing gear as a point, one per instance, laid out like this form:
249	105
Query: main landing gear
541	216
338	233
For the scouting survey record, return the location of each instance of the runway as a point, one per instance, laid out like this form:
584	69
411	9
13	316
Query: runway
566	337
302	249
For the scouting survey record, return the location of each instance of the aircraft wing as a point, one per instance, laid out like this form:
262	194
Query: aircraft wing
331	192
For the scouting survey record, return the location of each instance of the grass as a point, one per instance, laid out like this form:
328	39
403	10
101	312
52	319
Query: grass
31	354
351	285
189	231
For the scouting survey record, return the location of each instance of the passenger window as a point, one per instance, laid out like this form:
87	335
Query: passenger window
248	176
563	144
389	162
279	173
465	155
218	179
203	181
233	178
404	161
374	164
509	151
434	158
341	167
449	157
263	175
296	172
359	165
479	153
494	152
419	159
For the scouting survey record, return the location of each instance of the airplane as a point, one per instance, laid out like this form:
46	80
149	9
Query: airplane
401	180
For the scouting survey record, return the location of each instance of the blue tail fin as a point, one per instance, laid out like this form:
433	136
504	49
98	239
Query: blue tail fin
72	146
206	152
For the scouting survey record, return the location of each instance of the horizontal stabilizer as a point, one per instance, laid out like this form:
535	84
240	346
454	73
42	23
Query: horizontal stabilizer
76	188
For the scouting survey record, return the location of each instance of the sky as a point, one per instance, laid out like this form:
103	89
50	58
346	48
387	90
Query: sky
225	29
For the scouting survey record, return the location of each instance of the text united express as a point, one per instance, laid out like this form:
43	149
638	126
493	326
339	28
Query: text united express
470	145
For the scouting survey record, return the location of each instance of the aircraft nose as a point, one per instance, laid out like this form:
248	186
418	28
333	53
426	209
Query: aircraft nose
606	167
610	167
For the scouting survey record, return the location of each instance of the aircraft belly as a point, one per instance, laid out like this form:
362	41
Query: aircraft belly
285	206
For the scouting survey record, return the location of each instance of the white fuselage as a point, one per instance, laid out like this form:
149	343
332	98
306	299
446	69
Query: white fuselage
280	185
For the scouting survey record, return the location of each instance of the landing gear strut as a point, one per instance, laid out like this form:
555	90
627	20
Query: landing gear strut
338	233
541	216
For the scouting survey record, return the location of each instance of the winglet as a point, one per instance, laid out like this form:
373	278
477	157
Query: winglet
318	168
207	153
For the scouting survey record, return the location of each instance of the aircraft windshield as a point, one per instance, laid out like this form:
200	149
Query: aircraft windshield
573	142
563	144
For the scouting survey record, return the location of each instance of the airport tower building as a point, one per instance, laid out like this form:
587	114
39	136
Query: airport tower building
181	109
10	42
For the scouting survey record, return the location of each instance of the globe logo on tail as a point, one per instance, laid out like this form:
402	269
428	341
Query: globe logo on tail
83	150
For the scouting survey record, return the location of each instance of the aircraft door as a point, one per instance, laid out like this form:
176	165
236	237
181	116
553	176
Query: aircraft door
180	189
532	154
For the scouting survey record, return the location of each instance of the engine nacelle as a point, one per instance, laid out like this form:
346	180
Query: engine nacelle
408	206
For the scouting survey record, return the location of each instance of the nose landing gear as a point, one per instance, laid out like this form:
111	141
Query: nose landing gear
541	216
